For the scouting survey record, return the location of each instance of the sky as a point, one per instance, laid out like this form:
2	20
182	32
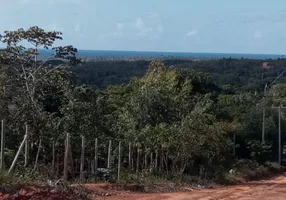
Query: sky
212	26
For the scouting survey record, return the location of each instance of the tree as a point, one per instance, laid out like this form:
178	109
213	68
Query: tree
171	111
278	94
34	89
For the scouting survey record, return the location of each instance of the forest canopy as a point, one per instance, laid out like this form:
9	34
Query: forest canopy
185	112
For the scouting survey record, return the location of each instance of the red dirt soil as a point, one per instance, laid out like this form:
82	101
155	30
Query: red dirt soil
274	188
35	194
257	190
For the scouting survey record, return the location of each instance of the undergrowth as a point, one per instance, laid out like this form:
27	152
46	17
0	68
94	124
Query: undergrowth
146	181
248	170
25	179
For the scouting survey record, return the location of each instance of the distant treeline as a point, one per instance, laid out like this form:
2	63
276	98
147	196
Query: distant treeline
230	74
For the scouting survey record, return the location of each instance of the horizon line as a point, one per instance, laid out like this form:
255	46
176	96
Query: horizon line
276	54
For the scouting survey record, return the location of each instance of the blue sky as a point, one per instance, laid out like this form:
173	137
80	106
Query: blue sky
220	26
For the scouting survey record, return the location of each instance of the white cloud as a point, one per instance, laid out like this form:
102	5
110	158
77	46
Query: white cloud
120	26
160	29
117	33
144	32
153	15
139	23
191	33
141	28
158	32
258	35
154	37
77	27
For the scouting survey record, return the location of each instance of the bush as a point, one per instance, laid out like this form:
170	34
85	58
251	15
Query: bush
249	170
246	163
10	183
259	152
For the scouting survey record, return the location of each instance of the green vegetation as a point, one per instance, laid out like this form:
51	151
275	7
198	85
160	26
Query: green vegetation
184	112
233	75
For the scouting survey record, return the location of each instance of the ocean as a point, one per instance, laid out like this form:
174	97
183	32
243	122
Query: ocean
111	53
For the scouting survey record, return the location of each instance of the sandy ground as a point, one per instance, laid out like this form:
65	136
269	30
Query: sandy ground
263	190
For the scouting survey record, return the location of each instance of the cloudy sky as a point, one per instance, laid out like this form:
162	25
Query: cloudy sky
221	26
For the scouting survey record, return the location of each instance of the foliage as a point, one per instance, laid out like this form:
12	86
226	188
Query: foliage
170	110
233	75
260	153
278	94
32	91
182	114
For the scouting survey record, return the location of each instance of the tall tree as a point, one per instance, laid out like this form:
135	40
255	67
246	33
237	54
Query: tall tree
33	89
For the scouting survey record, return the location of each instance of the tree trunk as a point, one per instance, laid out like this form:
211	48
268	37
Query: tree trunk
129	155
27	148
156	160
70	160
82	158
53	159
2	161
95	156
119	161
162	161
18	154
44	155
109	155
87	168
132	162
66	157
92	167
58	165
138	159
166	162
76	164
234	145
37	156
146	161
151	162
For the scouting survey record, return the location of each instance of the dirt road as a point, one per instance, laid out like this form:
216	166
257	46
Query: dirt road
262	190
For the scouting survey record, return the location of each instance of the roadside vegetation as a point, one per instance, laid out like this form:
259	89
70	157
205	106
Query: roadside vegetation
174	123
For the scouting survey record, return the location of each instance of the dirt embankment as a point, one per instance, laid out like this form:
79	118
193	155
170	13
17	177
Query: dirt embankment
274	188
33	193
271	189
